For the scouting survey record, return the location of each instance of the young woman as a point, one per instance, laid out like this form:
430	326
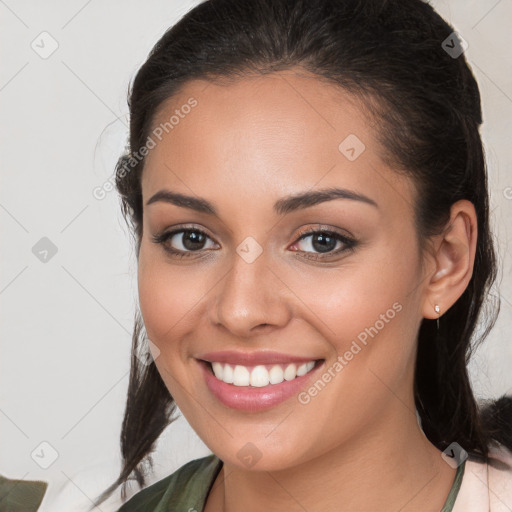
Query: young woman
307	190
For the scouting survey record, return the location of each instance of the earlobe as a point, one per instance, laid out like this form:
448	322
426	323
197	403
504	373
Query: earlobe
454	258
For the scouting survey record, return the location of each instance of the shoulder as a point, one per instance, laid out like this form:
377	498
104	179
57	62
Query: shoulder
487	486
184	489
500	480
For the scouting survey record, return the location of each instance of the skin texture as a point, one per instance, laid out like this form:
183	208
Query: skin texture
357	444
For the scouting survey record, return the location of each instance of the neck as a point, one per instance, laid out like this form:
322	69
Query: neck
396	469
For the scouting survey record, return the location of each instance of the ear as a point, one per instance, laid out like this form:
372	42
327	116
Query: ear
454	257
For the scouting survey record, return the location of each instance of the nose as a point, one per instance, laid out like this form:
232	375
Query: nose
251	298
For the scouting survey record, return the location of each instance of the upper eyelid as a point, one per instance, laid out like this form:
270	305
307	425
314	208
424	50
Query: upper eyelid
324	229
303	232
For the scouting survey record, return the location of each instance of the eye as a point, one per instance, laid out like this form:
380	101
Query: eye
183	242
324	241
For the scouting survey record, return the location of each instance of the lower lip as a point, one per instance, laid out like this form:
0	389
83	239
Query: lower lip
248	398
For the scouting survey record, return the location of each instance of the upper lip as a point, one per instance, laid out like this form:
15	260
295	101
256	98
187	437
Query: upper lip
252	358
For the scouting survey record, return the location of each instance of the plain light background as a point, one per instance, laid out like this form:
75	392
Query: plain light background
66	322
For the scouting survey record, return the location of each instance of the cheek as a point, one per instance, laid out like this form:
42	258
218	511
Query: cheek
369	313
169	298
356	296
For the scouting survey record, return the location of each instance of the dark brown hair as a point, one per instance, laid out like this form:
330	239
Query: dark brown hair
426	105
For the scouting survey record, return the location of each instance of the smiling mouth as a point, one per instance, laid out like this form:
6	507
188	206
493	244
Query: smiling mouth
260	375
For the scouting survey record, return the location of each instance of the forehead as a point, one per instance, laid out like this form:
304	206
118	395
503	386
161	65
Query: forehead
267	135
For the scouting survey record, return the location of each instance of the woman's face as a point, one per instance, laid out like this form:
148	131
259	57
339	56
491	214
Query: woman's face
251	287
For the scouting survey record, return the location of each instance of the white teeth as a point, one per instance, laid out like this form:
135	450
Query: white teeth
291	372
241	376
217	370
276	375
302	369
259	376
227	375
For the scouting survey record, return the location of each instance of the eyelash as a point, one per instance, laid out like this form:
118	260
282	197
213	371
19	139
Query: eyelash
349	243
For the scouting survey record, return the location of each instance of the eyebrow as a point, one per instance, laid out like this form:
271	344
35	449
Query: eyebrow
281	207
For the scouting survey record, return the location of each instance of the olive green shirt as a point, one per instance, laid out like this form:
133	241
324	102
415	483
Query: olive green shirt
187	488
21	495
